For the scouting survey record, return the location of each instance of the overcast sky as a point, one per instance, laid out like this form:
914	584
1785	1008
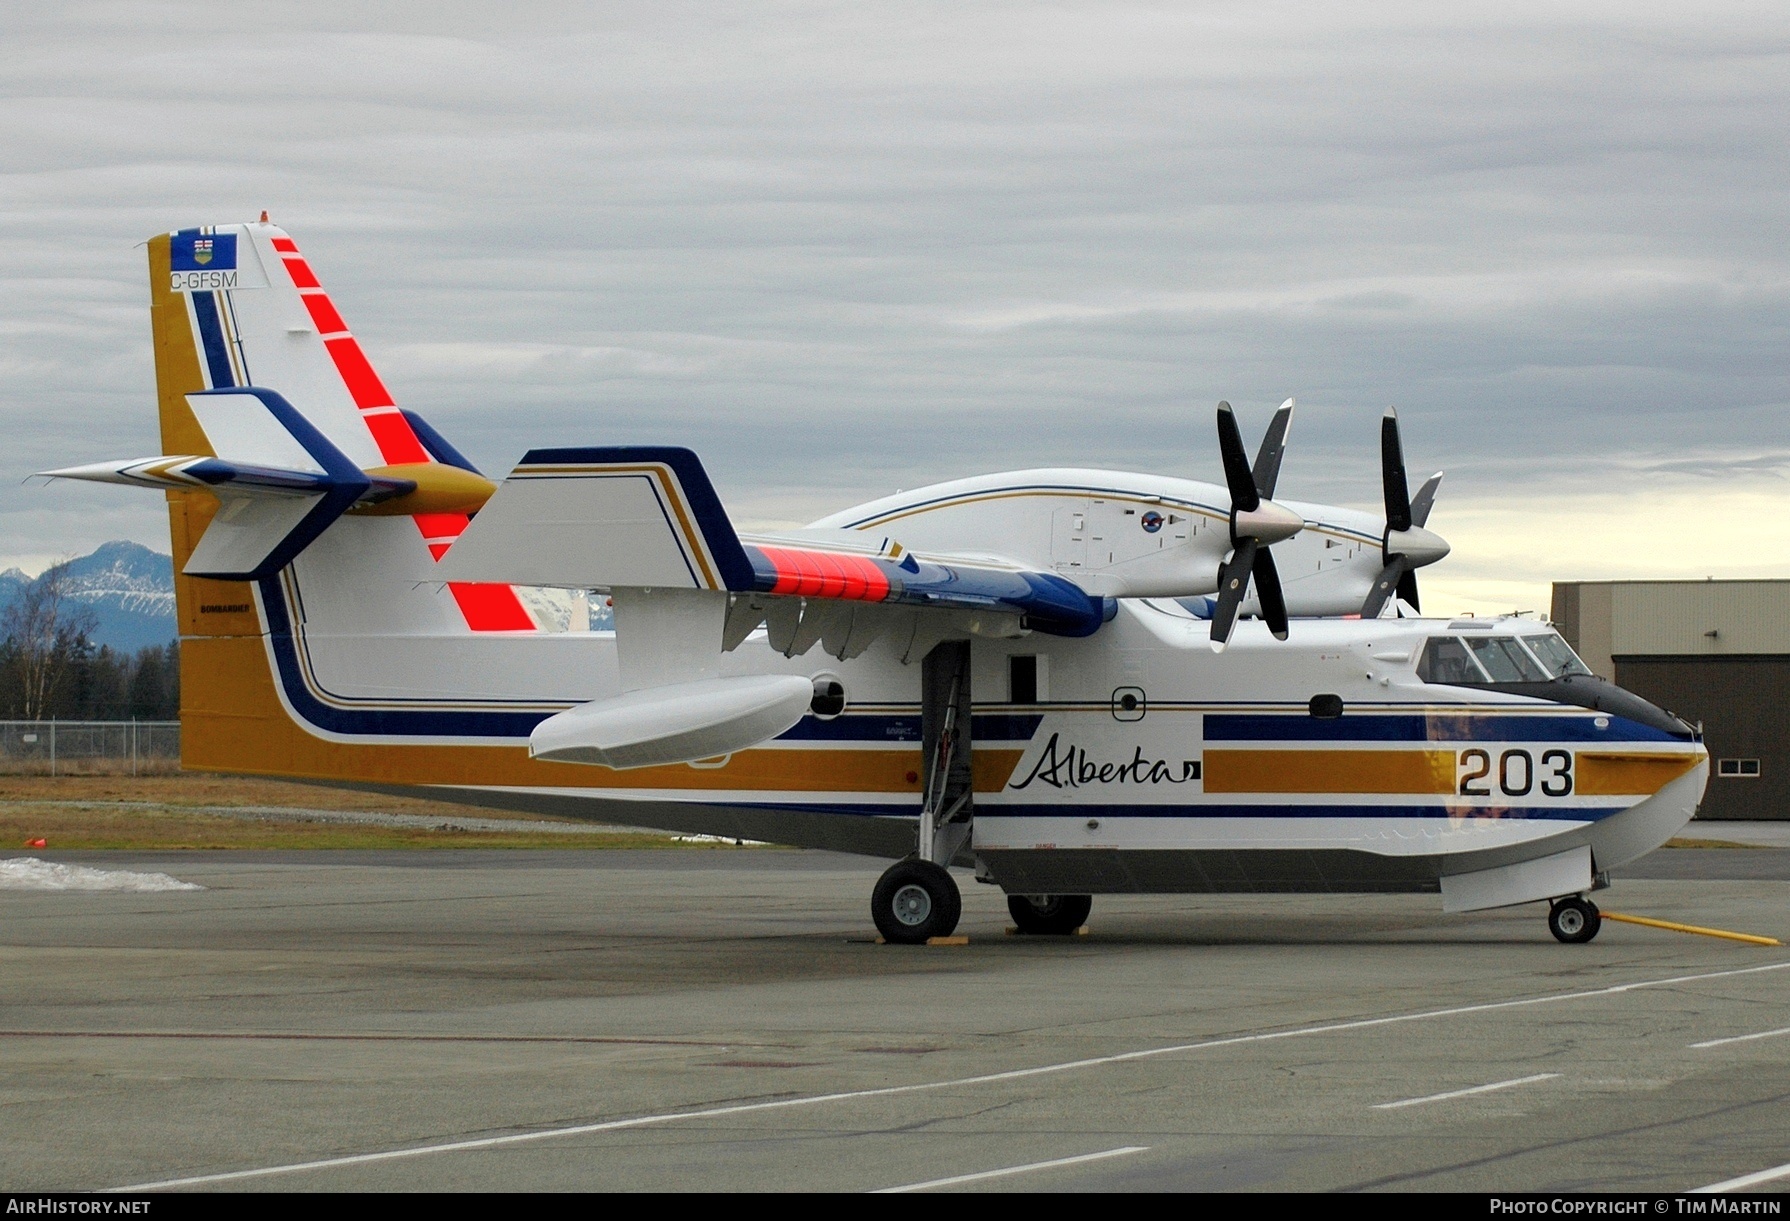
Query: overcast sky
843	249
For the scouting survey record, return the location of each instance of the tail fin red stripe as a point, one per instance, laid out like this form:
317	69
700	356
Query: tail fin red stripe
301	273
395	439
491	608
324	315
486	608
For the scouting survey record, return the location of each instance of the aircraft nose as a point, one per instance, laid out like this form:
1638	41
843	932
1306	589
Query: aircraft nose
1417	545
1268	523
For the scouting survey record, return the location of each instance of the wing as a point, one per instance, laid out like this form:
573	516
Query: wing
639	518
645	524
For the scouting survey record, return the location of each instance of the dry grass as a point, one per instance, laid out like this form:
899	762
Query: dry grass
168	812
105	766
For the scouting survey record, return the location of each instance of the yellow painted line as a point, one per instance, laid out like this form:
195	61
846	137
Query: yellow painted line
1749	938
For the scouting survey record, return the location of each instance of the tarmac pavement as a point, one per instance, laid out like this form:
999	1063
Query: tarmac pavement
647	1020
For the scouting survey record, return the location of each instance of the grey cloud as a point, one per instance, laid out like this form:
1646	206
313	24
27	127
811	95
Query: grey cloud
841	249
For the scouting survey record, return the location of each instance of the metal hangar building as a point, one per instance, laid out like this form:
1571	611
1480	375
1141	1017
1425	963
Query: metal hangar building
1715	652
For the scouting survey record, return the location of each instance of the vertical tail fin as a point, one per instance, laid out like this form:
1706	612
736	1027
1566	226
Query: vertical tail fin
238	305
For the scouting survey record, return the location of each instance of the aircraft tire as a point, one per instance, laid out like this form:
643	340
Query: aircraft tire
1049	915
1574	920
915	900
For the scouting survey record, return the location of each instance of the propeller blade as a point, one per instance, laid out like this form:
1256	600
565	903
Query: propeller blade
1407	589
1425	500
1236	463
1392	473
1267	592
1274	447
1385	585
1233	584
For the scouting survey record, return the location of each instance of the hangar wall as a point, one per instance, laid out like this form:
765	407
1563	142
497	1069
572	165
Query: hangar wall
1715	652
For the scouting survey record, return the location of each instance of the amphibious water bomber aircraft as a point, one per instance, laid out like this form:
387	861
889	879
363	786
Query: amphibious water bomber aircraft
1074	682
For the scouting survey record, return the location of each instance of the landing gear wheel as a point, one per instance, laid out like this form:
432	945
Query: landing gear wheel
1574	920
1052	915
915	900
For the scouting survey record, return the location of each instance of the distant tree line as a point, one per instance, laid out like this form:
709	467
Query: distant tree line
49	667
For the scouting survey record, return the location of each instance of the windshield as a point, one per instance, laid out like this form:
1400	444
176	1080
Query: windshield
1555	655
1477	660
1504	659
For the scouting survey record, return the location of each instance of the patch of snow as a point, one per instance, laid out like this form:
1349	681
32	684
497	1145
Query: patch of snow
29	873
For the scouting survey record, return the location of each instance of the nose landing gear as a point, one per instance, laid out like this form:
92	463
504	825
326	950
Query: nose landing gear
1574	920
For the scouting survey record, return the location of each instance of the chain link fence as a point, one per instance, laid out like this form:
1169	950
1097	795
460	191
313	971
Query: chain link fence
69	748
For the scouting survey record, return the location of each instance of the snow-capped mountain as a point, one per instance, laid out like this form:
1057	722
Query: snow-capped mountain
128	587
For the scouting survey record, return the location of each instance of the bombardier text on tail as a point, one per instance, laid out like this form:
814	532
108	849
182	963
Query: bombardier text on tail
1074	681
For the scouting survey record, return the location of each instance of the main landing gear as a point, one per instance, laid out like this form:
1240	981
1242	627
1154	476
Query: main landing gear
917	899
1050	915
1574	920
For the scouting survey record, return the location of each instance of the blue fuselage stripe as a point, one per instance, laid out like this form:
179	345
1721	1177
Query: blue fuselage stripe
1432	727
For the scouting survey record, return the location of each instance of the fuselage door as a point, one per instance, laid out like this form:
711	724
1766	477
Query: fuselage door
1069	529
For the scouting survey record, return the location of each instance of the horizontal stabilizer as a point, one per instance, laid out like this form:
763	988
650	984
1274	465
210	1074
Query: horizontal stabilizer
246	540
281	483
675	724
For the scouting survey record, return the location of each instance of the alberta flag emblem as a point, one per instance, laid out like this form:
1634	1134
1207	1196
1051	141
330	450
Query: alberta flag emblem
190	250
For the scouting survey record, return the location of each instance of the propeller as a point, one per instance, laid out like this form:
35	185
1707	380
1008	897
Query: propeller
1406	546
1256	524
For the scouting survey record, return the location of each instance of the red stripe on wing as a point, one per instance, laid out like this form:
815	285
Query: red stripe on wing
825	574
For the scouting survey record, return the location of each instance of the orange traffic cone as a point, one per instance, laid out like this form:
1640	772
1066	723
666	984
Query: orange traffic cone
37	843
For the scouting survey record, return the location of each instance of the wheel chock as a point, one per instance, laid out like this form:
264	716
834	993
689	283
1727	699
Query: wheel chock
947	941
1082	931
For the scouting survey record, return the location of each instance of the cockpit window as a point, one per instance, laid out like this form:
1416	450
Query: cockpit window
1446	660
1476	660
1555	654
1504	659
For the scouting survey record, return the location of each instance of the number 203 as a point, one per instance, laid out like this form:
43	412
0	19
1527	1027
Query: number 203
1515	773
